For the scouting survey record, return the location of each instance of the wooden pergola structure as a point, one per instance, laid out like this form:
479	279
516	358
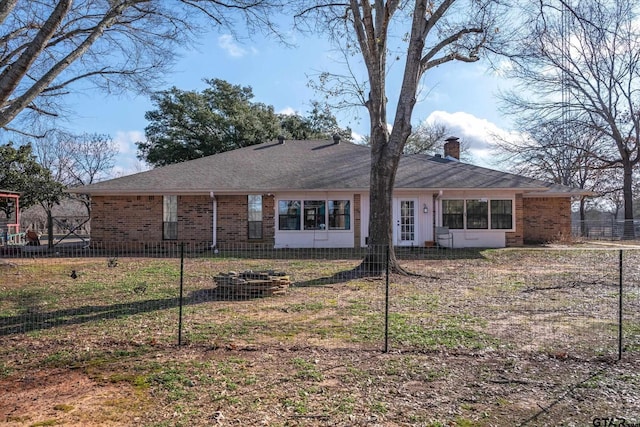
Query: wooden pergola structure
13	228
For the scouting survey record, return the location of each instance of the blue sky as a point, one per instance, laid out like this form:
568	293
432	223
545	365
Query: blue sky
459	95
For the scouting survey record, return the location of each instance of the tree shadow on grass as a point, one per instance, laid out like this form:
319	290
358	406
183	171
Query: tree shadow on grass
33	319
566	394
340	277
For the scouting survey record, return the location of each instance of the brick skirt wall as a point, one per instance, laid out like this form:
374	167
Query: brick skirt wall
547	219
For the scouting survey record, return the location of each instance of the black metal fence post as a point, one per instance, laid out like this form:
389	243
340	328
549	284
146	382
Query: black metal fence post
620	349
386	304
181	294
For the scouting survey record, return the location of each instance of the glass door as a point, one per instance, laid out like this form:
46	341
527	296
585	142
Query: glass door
405	219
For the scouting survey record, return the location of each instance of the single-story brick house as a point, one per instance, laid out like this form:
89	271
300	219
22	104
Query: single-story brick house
306	194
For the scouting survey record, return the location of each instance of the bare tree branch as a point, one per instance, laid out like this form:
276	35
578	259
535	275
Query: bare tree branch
580	66
424	29
47	47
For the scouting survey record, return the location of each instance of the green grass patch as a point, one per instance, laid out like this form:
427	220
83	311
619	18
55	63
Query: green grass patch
5	370
452	332
631	336
174	381
139	382
245	328
305	306
306	370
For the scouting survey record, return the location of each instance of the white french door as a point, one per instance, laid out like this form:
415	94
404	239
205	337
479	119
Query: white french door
404	217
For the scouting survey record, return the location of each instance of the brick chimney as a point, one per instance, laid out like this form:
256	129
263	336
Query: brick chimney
452	147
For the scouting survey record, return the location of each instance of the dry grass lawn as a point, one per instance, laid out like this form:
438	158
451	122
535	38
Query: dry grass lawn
479	338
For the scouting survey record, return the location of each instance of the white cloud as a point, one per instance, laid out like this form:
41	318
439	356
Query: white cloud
287	111
480	135
358	138
126	140
227	43
126	161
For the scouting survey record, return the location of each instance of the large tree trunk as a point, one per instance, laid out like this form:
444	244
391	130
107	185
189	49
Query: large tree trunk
583	224
386	149
371	21
627	191
49	229
383	171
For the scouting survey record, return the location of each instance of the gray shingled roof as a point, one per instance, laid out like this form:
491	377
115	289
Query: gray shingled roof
306	165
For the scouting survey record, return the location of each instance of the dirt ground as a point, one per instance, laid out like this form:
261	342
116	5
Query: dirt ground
63	396
473	389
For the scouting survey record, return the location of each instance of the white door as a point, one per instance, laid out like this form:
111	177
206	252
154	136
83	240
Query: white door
404	232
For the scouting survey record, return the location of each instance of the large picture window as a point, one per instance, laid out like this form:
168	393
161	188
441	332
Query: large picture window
339	215
170	217
314	215
254	206
477	214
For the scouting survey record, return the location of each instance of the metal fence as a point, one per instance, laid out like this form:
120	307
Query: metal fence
606	230
560	303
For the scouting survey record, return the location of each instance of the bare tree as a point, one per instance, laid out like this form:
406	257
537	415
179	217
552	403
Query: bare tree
87	158
430	33
426	138
49	48
581	65
558	153
611	193
76	160
73	160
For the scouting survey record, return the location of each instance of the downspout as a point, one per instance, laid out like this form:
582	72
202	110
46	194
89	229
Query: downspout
214	215
436	204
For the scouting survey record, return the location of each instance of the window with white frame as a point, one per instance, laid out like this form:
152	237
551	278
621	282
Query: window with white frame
170	217
314	215
254	216
477	214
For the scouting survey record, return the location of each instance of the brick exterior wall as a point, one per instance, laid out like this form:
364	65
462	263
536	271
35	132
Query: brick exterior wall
516	238
118	220
232	226
131	220
126	218
195	221
356	220
547	219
